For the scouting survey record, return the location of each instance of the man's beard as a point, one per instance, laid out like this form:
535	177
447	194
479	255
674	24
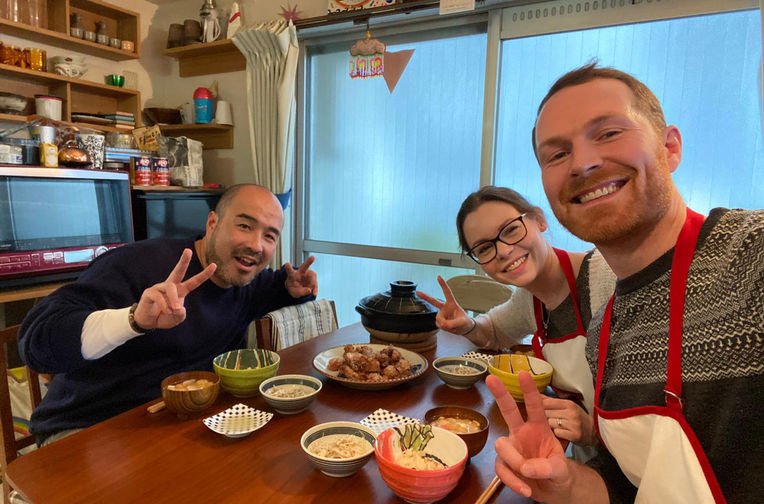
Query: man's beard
650	204
220	272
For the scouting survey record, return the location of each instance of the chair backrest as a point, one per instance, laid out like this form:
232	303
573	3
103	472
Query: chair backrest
478	293
293	324
11	445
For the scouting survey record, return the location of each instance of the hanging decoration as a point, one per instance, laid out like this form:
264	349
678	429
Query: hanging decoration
367	58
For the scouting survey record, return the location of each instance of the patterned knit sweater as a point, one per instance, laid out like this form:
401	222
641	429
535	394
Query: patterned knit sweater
722	350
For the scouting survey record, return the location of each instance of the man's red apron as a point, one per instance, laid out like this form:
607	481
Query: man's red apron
655	447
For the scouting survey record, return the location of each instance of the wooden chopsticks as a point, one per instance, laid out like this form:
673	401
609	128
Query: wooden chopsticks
154	408
489	491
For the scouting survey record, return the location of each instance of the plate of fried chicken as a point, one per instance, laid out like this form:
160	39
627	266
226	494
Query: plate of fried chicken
370	366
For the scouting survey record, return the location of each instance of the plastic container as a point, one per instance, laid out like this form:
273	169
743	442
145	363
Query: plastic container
203	105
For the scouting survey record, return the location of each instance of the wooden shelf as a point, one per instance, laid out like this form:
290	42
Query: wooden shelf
214	57
212	136
33	292
121	23
79	95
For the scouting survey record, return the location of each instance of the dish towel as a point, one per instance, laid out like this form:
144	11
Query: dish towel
295	324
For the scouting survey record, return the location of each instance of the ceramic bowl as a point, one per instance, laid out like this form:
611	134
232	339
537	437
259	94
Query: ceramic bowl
183	394
339	467
420	486
507	367
290	394
11	103
70	59
460	372
475	439
242	371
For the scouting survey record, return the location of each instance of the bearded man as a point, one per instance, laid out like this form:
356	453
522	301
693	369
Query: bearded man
112	336
677	352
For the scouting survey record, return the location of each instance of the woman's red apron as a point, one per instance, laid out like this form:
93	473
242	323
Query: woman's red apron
572	376
655	447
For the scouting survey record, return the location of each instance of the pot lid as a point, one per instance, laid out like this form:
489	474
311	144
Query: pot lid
401	299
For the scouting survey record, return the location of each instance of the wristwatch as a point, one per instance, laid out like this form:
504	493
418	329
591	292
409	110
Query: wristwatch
131	320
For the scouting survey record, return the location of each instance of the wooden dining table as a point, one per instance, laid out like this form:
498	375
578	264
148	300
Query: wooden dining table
138	456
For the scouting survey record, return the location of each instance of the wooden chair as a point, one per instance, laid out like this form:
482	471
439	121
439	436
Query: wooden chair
266	335
477	293
11	445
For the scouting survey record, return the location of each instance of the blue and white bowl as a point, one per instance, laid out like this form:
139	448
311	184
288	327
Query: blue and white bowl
288	402
460	372
339	467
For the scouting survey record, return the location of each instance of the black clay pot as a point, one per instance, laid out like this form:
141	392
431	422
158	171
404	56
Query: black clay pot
398	310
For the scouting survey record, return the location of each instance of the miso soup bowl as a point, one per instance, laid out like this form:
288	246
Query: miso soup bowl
339	468
308	386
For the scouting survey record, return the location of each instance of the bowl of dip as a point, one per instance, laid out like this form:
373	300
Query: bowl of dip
460	372
290	394
338	449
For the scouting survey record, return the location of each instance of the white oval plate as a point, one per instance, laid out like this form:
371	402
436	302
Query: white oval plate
321	364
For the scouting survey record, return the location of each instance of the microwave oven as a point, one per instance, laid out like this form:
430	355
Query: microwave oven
54	221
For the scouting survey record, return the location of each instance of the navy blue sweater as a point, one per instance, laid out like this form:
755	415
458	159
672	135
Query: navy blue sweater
84	392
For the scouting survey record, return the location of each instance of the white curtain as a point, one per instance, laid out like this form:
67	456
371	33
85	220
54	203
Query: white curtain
271	51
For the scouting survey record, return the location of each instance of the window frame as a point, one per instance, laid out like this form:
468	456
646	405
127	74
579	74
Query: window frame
499	22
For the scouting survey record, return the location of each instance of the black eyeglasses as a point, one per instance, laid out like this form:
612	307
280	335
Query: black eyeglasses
512	232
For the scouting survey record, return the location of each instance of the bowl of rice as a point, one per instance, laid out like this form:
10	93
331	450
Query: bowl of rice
420	463
290	394
338	449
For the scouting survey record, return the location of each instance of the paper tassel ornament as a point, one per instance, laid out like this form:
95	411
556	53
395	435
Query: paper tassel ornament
367	58
234	20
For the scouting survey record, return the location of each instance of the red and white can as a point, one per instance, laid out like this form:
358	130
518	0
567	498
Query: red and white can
142	170
161	171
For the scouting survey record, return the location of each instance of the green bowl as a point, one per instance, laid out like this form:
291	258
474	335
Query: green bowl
254	367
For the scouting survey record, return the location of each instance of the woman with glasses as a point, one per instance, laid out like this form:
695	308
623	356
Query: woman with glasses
557	293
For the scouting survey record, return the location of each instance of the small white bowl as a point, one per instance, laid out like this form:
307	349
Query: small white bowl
290	405
460	372
339	468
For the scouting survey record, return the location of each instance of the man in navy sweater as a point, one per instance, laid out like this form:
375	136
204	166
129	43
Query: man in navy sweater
131	319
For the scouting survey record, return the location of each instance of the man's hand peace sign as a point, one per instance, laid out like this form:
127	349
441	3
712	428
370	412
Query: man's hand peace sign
161	305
